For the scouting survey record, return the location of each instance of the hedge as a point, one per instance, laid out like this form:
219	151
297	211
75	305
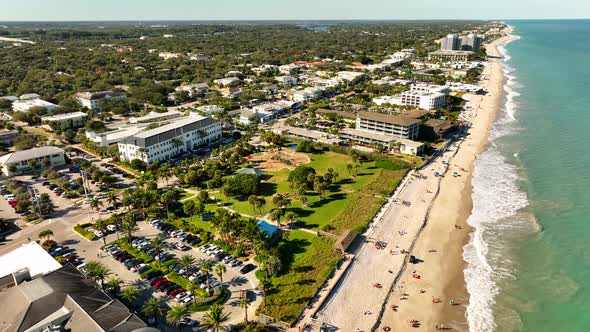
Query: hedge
81	229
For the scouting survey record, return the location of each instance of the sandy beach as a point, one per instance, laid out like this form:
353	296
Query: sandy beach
447	230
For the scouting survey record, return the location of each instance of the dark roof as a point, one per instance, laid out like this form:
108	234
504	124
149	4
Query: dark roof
41	297
416	114
345	240
388	118
439	125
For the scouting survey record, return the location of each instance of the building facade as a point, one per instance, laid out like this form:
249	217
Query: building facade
21	161
91	100
424	100
390	125
64	121
169	140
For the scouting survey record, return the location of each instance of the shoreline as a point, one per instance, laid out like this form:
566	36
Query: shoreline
441	243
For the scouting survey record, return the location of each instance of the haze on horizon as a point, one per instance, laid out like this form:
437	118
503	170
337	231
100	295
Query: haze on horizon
126	10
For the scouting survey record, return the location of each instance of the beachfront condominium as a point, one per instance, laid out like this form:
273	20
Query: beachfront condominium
162	143
92	100
454	42
471	42
386	124
425	96
450	42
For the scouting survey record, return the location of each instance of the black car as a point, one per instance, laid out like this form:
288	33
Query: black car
247	268
220	256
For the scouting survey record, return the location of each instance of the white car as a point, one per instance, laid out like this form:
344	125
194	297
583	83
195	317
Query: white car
9	196
206	247
98	233
112	228
137	267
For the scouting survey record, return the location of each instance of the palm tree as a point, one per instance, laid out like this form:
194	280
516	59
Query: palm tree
46	234
114	284
112	198
176	314
177	143
290	217
129	228
130	294
98	272
153	308
276	215
166	198
95	204
101	225
193	288
206	268
190	208
186	260
349	168
116	220
244	303
265	285
215	318
157	243
220	269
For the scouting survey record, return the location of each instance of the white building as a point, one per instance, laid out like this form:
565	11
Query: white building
210	109
169	55
27	102
226	82
286	80
108	138
155	116
392	100
405	146
65	121
165	142
350	76
431	88
423	100
20	159
91	100
446	56
194	90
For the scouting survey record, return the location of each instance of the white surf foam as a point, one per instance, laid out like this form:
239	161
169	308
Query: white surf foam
496	196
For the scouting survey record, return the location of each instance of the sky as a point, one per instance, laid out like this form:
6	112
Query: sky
135	10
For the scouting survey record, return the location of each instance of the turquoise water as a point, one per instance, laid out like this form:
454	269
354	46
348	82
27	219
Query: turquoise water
529	259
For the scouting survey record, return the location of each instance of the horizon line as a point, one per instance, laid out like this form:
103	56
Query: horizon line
296	20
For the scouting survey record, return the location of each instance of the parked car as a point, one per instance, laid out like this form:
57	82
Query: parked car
247	268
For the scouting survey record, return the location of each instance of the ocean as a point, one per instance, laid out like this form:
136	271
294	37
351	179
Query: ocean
528	266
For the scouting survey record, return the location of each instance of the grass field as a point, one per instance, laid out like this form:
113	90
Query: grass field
307	260
321	213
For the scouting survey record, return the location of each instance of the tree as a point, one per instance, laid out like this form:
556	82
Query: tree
112	199
95	204
290	217
157	243
167	198
114	284
98	272
101	225
252	201
320	186
244	303
204	196
177	143
129	228
194	289
303	175
265	285
46	234
130	294
206	268
349	168
186	261
177	314
242	185
116	220
215	318
272	265
276	215
220	269
153	308
191	208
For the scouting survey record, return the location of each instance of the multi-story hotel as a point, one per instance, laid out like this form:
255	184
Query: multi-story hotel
424	99
171	139
387	124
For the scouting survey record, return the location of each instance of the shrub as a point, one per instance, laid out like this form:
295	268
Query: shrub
81	229
393	165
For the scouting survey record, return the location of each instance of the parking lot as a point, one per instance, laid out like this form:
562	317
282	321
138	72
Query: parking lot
177	244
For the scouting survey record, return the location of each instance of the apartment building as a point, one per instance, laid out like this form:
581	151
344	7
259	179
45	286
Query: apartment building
423	99
386	124
448	56
164	142
91	100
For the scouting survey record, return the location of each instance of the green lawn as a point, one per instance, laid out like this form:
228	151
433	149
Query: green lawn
307	260
321	213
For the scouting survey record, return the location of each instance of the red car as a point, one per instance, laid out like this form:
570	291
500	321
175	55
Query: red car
176	291
159	282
